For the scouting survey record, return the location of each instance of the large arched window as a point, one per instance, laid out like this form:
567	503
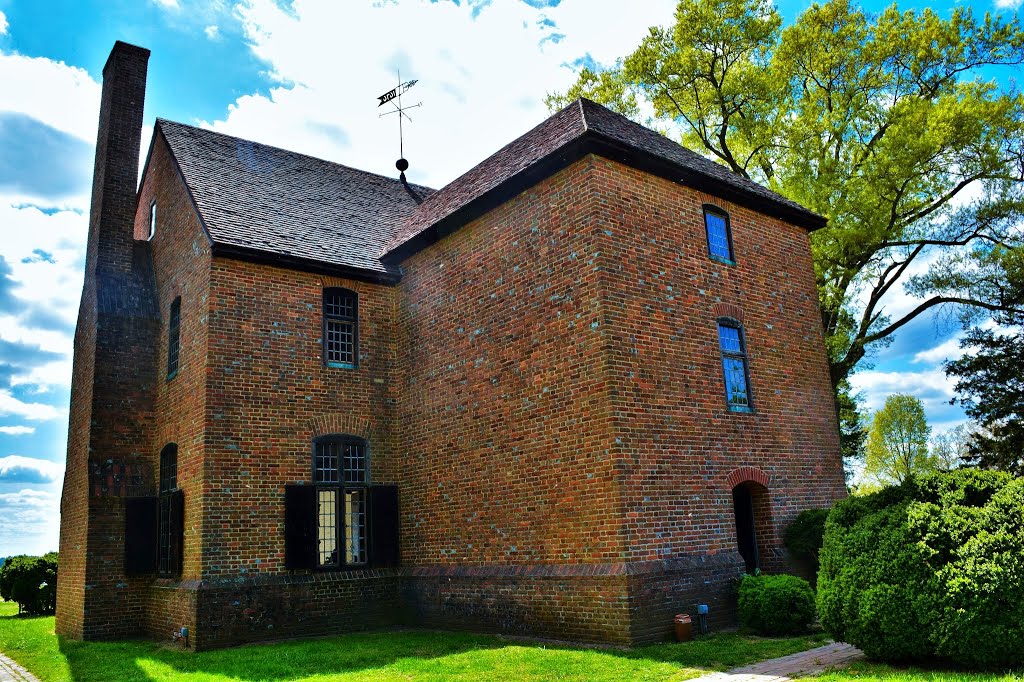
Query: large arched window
341	521
170	533
341	328
734	365
341	476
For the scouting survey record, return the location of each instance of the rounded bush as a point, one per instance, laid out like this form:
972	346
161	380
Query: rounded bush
32	582
931	569
776	604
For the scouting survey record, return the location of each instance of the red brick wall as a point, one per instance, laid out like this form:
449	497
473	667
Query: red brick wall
269	395
677	441
504	412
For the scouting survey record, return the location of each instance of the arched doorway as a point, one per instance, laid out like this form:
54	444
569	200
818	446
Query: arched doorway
753	522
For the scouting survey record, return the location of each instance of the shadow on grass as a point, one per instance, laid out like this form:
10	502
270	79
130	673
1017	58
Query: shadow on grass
421	655
355	655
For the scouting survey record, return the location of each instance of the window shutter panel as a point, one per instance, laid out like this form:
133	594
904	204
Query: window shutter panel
141	527
177	529
300	537
384	525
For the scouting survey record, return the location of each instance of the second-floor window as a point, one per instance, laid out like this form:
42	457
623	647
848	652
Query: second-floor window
716	222
341	328
734	365
173	338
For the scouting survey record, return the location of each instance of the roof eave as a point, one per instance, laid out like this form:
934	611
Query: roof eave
592	142
250	255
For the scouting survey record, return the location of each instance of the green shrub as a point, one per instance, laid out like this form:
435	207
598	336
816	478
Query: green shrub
32	582
776	604
803	537
931	569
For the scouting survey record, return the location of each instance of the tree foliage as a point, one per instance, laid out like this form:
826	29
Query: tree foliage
990	381
883	123
897	445
31	581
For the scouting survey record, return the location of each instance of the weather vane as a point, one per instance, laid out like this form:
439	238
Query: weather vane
394	96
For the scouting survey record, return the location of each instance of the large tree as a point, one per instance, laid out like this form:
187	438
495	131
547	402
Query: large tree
990	383
897	445
887	124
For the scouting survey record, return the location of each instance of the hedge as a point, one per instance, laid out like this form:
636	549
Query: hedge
931	569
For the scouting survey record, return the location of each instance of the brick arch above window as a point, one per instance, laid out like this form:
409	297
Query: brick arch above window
746	474
341	423
728	310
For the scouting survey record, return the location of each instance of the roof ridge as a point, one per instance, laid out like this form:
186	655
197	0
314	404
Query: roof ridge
160	120
583	114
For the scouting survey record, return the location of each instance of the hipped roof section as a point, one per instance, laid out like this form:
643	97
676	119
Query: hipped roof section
268	204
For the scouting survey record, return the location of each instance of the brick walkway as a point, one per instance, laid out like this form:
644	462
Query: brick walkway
810	662
12	672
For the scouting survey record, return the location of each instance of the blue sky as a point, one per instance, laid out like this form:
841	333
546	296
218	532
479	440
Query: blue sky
302	75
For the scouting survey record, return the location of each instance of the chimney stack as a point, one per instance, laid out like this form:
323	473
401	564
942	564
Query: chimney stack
115	174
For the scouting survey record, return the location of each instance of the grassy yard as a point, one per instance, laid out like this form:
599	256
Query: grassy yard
406	656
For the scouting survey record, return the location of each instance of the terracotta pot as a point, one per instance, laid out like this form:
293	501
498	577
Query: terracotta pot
684	628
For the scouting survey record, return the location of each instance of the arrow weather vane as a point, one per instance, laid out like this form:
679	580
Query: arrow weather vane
394	96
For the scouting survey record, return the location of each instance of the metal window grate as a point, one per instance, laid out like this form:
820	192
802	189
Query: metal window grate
734	365
340	327
718	235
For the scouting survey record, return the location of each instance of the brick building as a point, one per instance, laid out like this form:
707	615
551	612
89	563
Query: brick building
574	392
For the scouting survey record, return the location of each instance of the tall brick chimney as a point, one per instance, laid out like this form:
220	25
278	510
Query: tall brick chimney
111	384
117	158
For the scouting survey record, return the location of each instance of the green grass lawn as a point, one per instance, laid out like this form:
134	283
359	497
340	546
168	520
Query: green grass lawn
412	655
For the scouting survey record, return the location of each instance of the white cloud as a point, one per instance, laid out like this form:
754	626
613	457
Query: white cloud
61	96
1007	4
11	406
482	79
947	350
15	466
931	386
17	430
45	377
30	519
212	32
3	24
168	4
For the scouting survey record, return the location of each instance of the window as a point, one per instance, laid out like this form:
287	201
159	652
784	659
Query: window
734	365
152	219
341	328
716	221
173	338
341	521
170	529
340	476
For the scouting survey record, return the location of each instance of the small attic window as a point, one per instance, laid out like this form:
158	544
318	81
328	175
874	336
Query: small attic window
152	219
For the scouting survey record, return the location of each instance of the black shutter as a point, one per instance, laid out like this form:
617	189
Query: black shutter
300	536
384	525
177	530
141	527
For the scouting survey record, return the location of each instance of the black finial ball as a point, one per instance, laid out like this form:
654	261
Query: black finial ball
402	165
